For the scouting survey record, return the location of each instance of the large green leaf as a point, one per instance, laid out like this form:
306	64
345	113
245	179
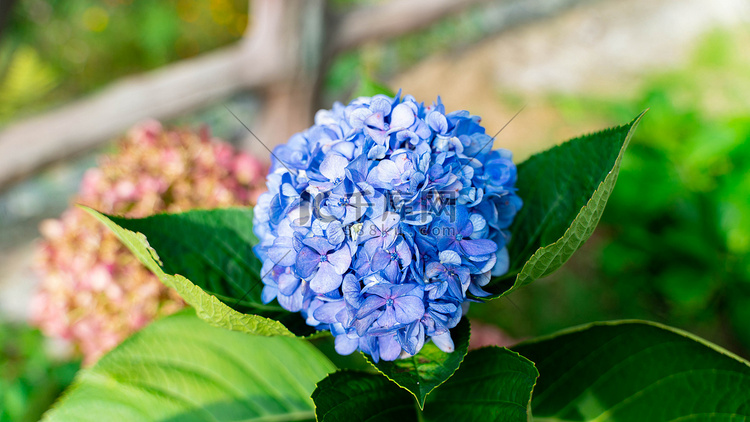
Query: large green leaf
564	190
423	372
213	249
491	384
182	369
636	371
349	396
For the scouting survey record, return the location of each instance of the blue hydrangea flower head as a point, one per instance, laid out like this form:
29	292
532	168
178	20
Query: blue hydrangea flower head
383	220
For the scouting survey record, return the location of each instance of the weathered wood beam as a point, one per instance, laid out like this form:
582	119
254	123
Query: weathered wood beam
390	20
261	60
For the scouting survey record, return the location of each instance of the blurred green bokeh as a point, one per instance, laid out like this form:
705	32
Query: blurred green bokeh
673	245
674	242
30	380
56	50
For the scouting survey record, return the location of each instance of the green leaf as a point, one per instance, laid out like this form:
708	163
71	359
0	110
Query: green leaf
564	190
423	372
491	384
213	249
631	370
182	369
357	396
368	87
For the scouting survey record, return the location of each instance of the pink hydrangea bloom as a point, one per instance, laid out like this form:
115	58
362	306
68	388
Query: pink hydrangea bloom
93	292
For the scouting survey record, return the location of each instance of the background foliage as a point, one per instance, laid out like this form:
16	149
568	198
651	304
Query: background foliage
674	241
673	244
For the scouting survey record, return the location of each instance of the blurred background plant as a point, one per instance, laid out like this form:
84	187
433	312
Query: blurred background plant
30	377
94	292
674	242
673	246
55	50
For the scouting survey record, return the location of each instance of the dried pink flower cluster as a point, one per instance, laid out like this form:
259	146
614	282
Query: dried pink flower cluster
94	293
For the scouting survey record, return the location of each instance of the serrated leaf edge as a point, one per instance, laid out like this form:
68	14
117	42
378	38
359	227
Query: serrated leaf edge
523	278
207	306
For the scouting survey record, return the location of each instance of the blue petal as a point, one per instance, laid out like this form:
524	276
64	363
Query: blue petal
408	309
340	259
288	283
319	244
351	290
307	262
450	257
503	262
437	122
327	312
402	117
389	347
326	279
292	303
363	324
380	260
268	294
388	318
282	252
380	105
345	345
370	304
444	342
478	247
333	167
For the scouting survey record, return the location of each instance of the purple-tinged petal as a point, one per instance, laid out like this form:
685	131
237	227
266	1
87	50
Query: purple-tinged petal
478	247
326	279
293	302
402	117
327	312
370	304
444	342
503	262
443	307
389	347
433	269
345	345
288	283
282	252
406	289
268	294
361	325
307	262
333	167
387	318
319	244
450	257
340	259
335	233
380	287
437	122
404	253
436	289
351	290
392	272
411	338
408	309
380	260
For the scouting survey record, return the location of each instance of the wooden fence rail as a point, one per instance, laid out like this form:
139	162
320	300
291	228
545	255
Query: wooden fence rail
283	56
